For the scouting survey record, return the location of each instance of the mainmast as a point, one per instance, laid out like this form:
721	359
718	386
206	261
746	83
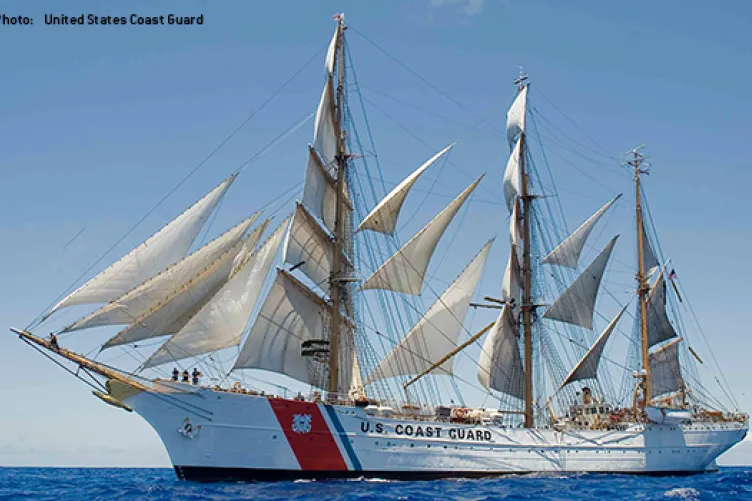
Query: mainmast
643	287
335	280
527	305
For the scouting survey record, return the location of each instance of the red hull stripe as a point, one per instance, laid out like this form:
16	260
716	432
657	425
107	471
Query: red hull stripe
308	435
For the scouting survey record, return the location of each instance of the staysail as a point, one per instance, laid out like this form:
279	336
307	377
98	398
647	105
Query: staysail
587	367
438	330
146	296
568	252
175	310
160	250
406	269
576	305
383	218
220	323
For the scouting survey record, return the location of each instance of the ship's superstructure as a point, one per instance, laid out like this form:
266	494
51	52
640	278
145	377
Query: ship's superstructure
347	286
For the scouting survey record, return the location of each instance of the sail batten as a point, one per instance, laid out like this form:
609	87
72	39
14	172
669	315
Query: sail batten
177	308
438	330
587	367
406	269
383	218
568	252
220	322
576	305
162	249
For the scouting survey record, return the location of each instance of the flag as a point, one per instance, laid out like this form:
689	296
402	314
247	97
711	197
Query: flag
339	17
672	275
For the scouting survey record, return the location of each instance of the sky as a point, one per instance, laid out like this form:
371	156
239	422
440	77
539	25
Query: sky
98	123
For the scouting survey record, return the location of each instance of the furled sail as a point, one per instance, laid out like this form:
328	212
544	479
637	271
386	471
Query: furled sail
587	367
406	269
665	372
308	243
500	364
568	252
438	330
512	177
146	296
220	322
325	129
383	218
160	250
577	304
291	315
659	326
516	117
176	309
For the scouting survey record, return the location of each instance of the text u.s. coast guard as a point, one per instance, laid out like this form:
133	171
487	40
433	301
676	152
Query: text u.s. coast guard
427	431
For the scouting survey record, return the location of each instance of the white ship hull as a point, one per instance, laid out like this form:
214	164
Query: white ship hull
213	435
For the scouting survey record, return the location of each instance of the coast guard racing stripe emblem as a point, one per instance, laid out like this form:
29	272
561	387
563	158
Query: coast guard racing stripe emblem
308	435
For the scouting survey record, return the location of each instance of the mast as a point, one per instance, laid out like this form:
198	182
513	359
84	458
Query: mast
335	282
642	283
527	306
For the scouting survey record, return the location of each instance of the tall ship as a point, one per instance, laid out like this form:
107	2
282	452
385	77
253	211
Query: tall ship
318	358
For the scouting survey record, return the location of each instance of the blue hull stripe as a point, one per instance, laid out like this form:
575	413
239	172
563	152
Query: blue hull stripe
343	437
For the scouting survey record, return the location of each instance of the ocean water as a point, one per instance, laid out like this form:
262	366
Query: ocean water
89	484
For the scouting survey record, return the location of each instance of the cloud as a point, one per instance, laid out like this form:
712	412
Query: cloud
468	7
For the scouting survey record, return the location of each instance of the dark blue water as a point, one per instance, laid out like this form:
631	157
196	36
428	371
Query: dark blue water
88	484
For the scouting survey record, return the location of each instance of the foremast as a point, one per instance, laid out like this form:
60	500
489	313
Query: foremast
340	232
527	304
643	288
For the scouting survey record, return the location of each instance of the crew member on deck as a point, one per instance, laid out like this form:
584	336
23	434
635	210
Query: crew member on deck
196	374
53	341
175	374
186	376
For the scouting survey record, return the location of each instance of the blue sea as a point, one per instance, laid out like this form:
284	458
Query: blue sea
89	484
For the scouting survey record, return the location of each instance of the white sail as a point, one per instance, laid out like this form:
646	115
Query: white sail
500	364
516	234
406	269
383	218
649	259
320	191
356	382
308	243
438	330
220	322
512	177
331	53
516	117
290	315
146	296
577	304
587	367
659	326
512	283
175	310
568	252
325	129
160	250
665	372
